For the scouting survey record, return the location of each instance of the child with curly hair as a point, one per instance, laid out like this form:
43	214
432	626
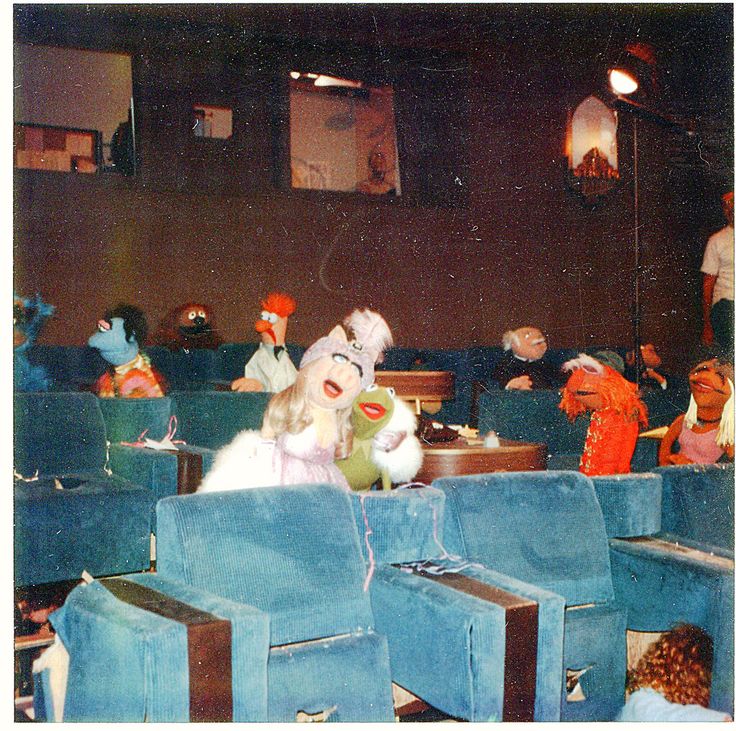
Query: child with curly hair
672	680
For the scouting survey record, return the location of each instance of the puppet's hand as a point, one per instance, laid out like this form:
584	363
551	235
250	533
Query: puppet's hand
678	459
520	383
387	441
651	373
245	385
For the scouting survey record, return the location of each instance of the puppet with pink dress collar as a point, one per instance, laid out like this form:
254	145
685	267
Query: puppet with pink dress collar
307	425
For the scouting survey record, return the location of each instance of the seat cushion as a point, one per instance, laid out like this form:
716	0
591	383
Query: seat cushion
291	551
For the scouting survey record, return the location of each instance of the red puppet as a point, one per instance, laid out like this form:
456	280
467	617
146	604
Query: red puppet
616	414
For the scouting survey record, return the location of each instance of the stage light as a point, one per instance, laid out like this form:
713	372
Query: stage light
622	81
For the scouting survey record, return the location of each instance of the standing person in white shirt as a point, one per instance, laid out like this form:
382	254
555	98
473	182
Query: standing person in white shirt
717	271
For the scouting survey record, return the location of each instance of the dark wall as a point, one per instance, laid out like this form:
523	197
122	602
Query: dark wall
487	236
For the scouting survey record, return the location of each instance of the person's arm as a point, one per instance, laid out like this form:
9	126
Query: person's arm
709	283
665	448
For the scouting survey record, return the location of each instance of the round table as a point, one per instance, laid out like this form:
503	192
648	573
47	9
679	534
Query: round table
460	458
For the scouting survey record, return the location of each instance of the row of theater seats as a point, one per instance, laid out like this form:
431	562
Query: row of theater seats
324	592
73	368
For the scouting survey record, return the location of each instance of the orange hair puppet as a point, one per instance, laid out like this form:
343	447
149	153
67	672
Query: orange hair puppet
270	368
616	414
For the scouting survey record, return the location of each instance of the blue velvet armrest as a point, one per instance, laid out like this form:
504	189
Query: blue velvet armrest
448	647
128	664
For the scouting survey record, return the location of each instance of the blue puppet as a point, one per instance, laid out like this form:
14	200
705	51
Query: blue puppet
130	374
28	318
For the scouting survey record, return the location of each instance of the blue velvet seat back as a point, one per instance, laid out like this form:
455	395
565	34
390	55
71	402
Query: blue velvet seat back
698	503
663	407
127	418
400	526
160	357
631	503
545	528
212	418
70	367
96	523
291	551
532	416
194	369
56	433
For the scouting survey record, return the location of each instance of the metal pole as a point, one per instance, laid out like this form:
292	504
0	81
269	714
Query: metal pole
637	254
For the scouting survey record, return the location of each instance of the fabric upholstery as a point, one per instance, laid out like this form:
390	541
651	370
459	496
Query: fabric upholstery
529	525
431	626
698	503
291	551
664	585
127	418
213	418
57	433
547	529
405	524
448	647
130	665
595	639
97	523
349	674
631	504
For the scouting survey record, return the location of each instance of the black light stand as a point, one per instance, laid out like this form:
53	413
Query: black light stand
637	111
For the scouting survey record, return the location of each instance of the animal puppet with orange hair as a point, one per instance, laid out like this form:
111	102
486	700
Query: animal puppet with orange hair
616	413
190	326
270	368
705	433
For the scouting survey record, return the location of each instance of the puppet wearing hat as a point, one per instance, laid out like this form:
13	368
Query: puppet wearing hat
705	433
616	413
307	425
270	368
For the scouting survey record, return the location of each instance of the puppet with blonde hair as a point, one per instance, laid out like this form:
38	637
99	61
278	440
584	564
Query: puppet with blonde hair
306	426
270	367
672	680
616	414
705	433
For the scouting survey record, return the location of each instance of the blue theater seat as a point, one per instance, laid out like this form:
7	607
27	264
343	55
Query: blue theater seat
547	529
293	553
76	515
685	571
456	649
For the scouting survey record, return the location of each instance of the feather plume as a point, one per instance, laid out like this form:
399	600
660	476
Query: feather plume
371	331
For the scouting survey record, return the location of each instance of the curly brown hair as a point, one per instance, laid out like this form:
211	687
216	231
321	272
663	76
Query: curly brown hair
678	665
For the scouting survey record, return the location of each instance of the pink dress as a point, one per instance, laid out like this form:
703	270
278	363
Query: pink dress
300	458
701	447
252	461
